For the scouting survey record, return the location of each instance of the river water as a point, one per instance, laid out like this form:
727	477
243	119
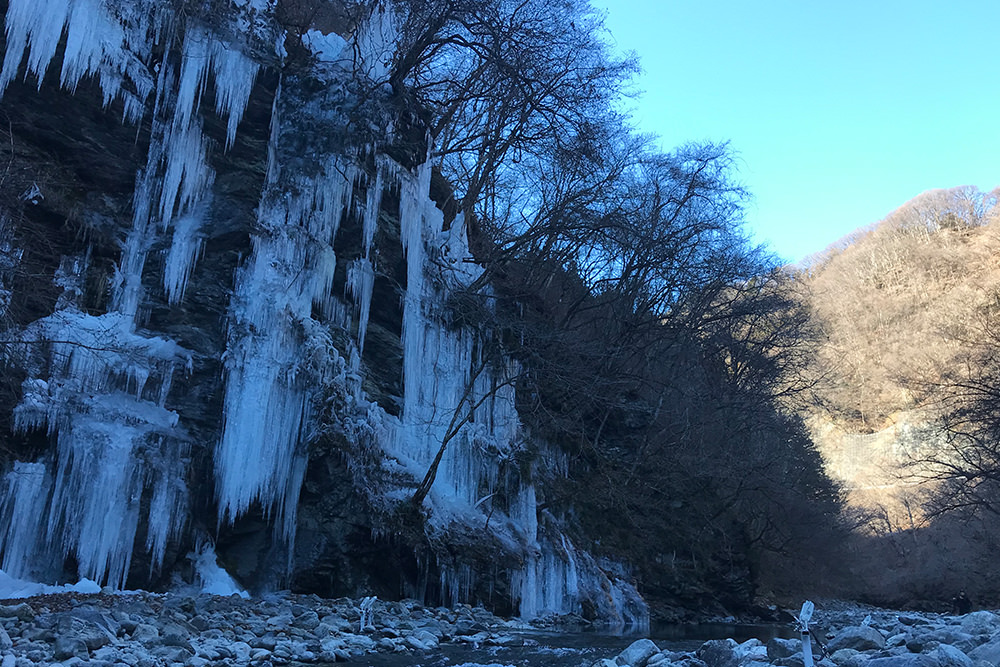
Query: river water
555	649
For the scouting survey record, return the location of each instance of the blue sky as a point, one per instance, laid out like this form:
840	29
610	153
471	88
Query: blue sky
839	111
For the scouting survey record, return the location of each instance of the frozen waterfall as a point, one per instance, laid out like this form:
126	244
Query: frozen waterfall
103	388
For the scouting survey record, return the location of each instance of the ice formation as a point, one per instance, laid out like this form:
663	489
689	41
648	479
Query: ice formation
98	385
101	387
212	578
112	48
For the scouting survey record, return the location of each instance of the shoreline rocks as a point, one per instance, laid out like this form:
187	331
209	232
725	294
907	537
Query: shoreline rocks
842	638
149	630
146	630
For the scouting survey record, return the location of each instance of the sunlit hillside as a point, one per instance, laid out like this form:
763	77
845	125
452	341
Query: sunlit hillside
901	307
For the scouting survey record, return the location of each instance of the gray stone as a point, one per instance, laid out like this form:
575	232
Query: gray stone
66	647
905	660
988	652
796	660
144	633
638	653
430	640
860	638
719	653
921	643
22	612
307	621
176	639
848	657
659	660
5	641
955	637
782	648
950	656
172	653
415	643
980	623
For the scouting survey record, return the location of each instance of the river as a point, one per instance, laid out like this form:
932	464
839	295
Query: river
559	649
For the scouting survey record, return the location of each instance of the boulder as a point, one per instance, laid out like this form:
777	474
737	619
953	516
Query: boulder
66	647
950	656
719	653
848	657
22	611
981	623
954	637
796	660
988	652
638	653
782	648
859	637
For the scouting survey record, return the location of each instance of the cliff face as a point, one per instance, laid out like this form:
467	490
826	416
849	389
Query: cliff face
223	291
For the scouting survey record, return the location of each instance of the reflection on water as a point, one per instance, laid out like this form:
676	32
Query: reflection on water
554	649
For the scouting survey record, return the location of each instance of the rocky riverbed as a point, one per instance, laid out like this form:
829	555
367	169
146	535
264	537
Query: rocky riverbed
146	630
844	635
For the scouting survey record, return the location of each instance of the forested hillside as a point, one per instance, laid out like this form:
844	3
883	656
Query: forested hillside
899	304
905	390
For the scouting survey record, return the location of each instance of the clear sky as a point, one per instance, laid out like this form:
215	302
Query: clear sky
839	111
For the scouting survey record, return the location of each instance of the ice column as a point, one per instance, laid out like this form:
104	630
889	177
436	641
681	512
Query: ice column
100	389
268	391
173	191
26	489
446	383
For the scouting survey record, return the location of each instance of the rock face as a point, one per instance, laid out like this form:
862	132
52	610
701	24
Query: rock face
222	287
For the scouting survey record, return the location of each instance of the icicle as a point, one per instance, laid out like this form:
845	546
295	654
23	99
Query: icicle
456	584
26	492
373	204
375	43
360	283
185	246
167	510
35	25
267	402
234	79
97	43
